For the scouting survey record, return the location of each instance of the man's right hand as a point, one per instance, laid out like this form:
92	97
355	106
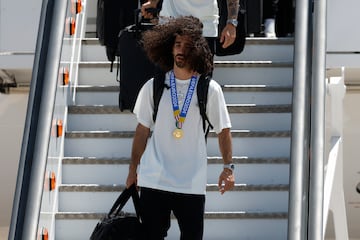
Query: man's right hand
131	179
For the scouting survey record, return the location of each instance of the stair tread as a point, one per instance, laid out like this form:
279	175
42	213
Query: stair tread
226	88
98	88
249	40
209	187
256	88
252	63
211	160
130	134
217	63
208	215
232	108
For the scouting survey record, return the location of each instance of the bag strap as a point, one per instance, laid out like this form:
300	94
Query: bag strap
136	200
202	93
158	89
123	198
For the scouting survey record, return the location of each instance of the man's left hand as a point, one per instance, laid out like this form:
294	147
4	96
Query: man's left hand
226	181
228	35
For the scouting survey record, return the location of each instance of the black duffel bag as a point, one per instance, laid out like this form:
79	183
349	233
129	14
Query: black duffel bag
118	224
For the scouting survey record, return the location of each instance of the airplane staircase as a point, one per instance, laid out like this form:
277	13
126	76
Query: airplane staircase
258	90
90	140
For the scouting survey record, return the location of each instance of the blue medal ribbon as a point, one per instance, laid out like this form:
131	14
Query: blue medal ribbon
180	116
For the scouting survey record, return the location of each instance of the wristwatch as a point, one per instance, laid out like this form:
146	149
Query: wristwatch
234	22
230	166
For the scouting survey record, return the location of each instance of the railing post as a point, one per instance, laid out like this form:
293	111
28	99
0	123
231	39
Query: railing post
300	123
316	186
334	199
336	90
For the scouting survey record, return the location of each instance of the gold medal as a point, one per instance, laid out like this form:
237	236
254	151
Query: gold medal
178	133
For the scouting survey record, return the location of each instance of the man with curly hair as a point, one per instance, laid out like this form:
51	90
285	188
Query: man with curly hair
170	165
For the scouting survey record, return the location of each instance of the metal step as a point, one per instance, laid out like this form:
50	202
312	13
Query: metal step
225	73
253	73
107	171
244	197
110	121
232	108
220	225
280	49
246	116
115	144
260	49
245	94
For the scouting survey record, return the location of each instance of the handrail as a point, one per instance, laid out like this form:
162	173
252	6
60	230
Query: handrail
309	199
317	145
300	139
76	54
306	177
33	157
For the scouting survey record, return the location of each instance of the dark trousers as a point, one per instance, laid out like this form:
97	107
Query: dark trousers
285	21
283	12
211	43
270	8
156	207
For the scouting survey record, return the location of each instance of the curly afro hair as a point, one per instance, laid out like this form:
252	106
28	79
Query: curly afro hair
159	41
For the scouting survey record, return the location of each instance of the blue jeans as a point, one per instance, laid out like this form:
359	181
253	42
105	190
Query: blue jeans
156	207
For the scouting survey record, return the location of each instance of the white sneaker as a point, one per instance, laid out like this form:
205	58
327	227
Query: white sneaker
269	30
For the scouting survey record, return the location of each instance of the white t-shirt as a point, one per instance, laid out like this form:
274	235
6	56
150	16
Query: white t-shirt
206	10
177	165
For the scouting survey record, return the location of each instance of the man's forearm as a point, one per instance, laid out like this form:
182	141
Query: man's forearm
138	147
225	145
233	8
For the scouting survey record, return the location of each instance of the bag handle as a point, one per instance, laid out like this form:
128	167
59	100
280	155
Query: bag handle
123	198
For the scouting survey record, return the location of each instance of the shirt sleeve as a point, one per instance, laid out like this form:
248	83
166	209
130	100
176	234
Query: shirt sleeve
216	108
144	106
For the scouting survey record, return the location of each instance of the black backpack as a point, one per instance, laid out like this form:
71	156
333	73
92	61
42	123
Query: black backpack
112	16
201	90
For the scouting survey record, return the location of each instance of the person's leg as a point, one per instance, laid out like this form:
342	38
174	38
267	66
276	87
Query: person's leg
285	18
270	9
154	213
211	43
267	9
189	211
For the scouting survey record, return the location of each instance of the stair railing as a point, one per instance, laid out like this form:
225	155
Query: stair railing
58	48
38	122
317	142
334	200
79	35
310	200
300	123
